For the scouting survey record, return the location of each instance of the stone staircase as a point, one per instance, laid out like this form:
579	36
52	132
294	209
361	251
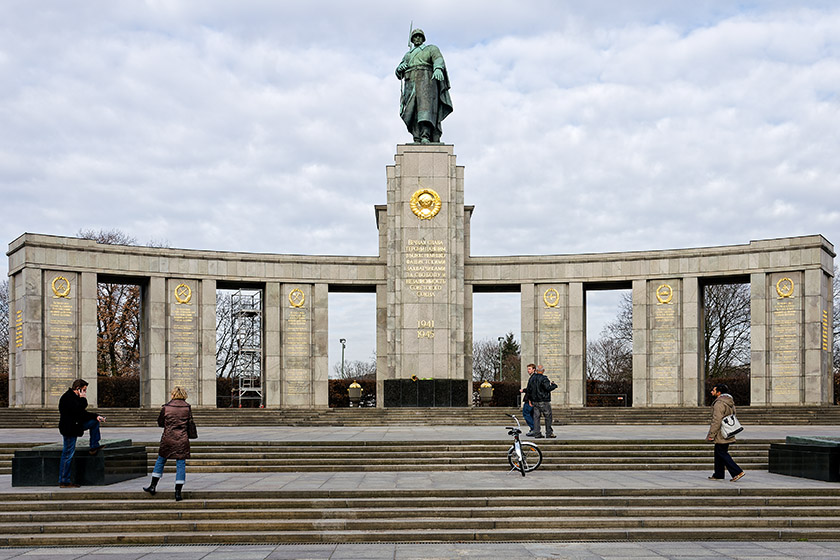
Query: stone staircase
429	515
475	416
396	456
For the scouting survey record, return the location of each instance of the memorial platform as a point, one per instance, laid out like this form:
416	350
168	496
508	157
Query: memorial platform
115	461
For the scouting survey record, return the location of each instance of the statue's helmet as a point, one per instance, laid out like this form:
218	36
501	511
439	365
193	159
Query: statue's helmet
417	31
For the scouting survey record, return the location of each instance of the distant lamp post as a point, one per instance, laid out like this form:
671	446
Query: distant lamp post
501	338
343	341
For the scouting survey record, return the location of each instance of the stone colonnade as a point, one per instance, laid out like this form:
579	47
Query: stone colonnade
424	279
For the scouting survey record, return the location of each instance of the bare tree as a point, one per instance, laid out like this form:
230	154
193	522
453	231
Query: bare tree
356	369
117	315
836	317
485	360
726	332
609	360
5	333
225	336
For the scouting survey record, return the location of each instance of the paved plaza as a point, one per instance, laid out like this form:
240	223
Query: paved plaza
441	480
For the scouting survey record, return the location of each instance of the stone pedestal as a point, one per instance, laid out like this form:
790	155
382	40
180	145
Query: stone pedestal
424	233
817	458
118	460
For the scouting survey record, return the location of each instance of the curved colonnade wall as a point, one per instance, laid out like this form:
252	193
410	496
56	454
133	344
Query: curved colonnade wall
424	279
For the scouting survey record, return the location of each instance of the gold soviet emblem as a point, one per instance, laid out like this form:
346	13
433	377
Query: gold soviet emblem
425	203
664	293
297	298
784	287
61	286
551	297
183	293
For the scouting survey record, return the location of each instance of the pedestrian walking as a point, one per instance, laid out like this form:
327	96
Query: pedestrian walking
178	428
539	391
723	406
73	420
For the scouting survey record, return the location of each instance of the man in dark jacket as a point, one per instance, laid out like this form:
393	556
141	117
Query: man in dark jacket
539	390
72	423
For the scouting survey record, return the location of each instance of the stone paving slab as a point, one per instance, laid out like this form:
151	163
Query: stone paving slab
424	433
725	550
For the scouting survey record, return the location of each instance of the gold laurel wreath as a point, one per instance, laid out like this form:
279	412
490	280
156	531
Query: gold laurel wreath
551	297
425	209
660	295
183	293
63	288
784	287
297	298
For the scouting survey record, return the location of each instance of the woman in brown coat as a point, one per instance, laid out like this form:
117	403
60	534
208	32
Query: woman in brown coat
723	406
174	418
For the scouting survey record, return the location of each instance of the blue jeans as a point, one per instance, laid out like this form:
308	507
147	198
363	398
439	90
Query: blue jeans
69	449
528	414
180	469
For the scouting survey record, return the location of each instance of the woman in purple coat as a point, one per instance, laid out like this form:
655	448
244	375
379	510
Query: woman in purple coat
174	418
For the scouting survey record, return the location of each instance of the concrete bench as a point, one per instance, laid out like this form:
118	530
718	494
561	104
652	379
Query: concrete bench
815	457
117	460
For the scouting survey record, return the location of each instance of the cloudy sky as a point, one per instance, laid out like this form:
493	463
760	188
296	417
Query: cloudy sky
266	126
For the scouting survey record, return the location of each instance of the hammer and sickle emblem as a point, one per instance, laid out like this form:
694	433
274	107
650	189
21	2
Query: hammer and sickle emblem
425	203
61	286
183	293
664	293
551	297
784	287
296	298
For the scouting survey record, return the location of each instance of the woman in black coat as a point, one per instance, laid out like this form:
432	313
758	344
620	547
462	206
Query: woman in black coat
175	418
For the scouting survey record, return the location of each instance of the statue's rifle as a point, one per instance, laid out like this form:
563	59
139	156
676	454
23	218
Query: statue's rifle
402	80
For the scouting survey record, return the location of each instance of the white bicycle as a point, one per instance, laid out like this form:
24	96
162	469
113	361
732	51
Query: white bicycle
523	456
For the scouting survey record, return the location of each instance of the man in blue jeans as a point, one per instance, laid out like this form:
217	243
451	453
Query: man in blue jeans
72	423
527	409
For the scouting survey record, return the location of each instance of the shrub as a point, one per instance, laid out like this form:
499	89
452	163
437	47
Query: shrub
505	393
118	392
340	398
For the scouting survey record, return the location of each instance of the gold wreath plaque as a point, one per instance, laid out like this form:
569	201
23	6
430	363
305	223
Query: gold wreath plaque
664	293
61	286
551	297
425	203
784	287
296	298
183	293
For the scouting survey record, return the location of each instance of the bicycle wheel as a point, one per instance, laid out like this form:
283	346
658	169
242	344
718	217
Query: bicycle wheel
531	453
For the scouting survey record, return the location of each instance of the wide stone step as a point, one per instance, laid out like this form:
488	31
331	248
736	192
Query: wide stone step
118	417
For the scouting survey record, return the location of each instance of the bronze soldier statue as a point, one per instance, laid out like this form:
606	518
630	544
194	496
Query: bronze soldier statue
425	90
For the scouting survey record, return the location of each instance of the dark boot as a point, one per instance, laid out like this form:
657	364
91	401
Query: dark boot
178	496
152	485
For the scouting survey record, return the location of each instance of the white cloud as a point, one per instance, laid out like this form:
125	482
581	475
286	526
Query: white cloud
266	126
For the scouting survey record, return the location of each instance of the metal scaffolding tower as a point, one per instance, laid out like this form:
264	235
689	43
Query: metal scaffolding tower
247	326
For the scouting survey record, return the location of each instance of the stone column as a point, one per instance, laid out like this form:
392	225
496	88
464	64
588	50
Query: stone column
206	395
272	302
153	361
665	343
88	334
296	335
693	383
183	336
759	378
552	309
384	369
26	314
528	329
62	303
425	258
640	344
320	346
819	386
577	345
785	344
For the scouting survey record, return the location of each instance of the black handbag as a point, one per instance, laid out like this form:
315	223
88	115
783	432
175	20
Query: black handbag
192	431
